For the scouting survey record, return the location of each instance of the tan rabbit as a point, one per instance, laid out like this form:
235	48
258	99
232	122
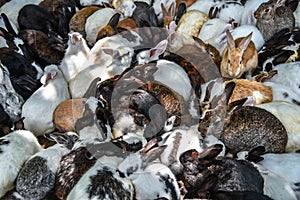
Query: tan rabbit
245	88
238	57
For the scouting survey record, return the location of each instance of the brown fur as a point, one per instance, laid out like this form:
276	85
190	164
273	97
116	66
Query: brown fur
77	22
244	88
238	58
205	57
123	25
67	113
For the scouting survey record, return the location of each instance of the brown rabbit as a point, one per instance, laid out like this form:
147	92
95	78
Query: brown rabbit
273	16
242	127
67	113
238	57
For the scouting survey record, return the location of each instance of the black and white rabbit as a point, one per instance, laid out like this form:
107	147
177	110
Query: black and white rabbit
151	179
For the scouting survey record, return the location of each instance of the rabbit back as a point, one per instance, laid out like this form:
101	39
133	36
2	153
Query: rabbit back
41	177
250	127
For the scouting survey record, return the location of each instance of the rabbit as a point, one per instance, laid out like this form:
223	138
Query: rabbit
37	176
232	174
151	180
238	57
287	113
273	16
67	113
83	156
72	166
188	26
76	54
102	182
78	20
245	88
15	149
206	190
43	101
280	171
180	140
242	127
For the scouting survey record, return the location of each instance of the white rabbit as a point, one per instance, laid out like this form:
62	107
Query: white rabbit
15	149
39	108
76	54
286	166
151	179
288	74
95	22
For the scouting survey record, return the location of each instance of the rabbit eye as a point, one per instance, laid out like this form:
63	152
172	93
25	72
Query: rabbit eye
267	10
228	61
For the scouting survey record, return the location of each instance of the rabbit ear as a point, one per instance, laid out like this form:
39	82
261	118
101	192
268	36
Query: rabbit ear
153	153
172	9
230	40
199	43
159	49
114	20
280	2
180	11
245	42
292	4
254	154
211	152
227	93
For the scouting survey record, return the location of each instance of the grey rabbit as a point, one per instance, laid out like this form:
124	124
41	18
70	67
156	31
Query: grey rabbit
273	16
242	127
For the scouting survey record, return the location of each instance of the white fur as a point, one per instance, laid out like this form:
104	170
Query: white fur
297	17
38	109
76	54
288	74
287	166
213	32
181	140
93	132
22	145
248	13
100	64
147	181
79	191
203	5
229	11
288	114
187	24
179	82
126	121
93	2
13	7
244	30
279	92
95	22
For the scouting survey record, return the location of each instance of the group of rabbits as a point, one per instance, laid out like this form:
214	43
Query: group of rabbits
162	99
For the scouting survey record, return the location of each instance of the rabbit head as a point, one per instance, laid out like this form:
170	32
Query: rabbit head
238	57
273	16
136	162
